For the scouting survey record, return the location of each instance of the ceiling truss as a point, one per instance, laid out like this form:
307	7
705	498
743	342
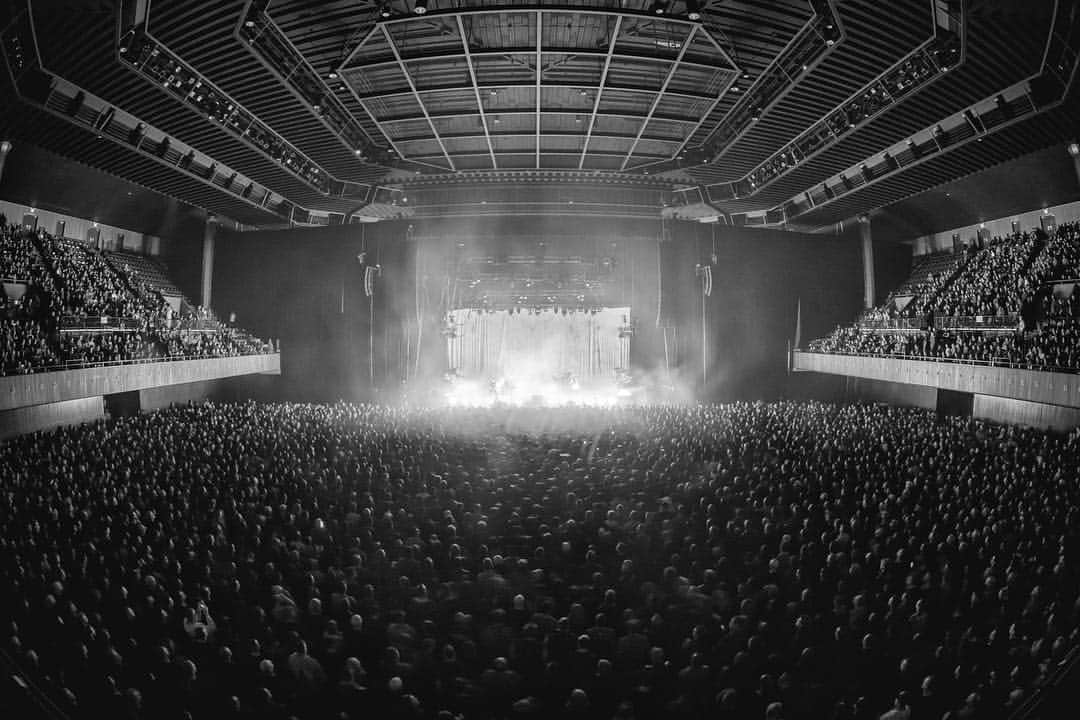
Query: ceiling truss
609	89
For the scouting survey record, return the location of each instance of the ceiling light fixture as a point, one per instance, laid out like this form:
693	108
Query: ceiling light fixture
693	10
420	7
384	11
658	7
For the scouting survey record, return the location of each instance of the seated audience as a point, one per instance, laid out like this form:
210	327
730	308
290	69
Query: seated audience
78	308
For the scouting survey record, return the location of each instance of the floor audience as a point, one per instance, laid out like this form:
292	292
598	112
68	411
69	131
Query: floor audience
758	561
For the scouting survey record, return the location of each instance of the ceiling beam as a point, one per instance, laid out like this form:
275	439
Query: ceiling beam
525	151
419	100
550	50
531	110
533	6
656	101
548	133
639	89
600	91
476	93
539	78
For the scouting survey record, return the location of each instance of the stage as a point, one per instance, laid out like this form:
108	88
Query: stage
537	356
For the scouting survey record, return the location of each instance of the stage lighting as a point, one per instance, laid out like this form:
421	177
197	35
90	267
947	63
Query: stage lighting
419	7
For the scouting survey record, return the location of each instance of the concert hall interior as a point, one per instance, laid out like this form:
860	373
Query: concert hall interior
531	359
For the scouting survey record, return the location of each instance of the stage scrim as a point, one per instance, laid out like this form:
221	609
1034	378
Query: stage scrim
540	346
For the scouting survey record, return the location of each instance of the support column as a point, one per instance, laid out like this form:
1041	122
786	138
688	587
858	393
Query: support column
5	148
208	259
867	260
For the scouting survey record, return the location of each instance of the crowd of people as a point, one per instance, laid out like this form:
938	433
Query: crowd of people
994	280
66	290
760	561
87	285
1022	278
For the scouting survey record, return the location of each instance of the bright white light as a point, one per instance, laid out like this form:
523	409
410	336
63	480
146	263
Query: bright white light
532	392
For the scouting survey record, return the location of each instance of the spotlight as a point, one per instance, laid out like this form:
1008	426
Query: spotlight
830	34
693	10
384	11
333	74
420	7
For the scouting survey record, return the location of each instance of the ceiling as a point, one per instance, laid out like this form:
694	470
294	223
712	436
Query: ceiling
323	112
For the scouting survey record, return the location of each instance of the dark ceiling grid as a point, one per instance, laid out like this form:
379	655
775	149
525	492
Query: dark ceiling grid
211	43
881	175
1000	120
1037	133
169	74
684	45
613	39
476	91
416	95
85	53
927	64
755	28
805	51
577	55
871	44
1003	54
106	125
69	140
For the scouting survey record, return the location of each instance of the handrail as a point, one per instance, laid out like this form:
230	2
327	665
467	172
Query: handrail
954	361
909	323
37	695
1036	699
978	322
98	322
83	365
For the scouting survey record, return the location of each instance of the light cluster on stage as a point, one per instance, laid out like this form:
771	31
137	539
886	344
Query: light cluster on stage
525	307
534	392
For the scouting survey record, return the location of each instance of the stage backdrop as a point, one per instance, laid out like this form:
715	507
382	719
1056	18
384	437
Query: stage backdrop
521	345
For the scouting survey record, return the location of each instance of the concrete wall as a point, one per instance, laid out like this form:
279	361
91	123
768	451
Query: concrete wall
244	387
32	418
999	227
24	420
46	388
78	228
1030	385
1022	397
1022	412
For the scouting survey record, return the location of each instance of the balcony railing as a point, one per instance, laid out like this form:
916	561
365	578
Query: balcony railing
91	323
83	365
978	322
996	362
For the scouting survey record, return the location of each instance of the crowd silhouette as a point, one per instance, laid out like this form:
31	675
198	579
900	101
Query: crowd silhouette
1012	301
67	304
761	561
